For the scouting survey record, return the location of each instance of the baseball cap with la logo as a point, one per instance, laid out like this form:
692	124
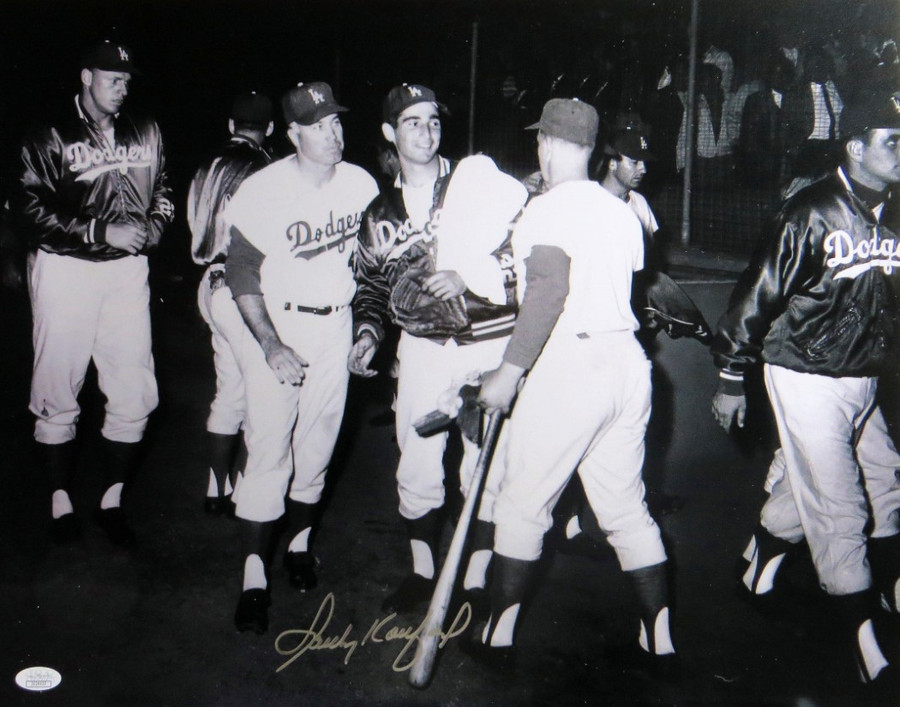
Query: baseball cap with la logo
401	97
108	56
631	142
308	103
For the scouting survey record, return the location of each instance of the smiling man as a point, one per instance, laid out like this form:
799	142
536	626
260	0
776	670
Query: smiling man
818	308
92	200
434	258
293	233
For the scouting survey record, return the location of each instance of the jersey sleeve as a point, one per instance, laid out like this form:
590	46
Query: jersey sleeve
546	290
242	266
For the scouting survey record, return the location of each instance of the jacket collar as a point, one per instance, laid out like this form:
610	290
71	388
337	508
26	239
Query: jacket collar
83	114
443	171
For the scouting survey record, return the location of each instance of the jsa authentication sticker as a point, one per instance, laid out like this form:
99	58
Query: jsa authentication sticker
38	679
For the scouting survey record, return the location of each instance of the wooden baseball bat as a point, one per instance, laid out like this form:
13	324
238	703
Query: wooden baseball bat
430	636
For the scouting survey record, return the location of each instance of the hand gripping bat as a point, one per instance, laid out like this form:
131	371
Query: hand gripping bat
430	636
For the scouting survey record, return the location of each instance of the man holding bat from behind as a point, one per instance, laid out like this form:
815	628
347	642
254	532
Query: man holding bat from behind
434	257
586	402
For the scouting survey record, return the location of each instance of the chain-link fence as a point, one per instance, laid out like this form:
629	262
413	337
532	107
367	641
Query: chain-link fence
768	84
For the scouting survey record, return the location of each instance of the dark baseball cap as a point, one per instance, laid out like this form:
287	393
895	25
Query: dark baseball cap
308	103
569	119
869	110
252	107
631	142
401	97
108	56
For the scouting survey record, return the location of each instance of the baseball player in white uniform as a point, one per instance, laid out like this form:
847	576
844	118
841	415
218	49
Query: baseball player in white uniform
293	229
434	257
586	401
211	189
93	200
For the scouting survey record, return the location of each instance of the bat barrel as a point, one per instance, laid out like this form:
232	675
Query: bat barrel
422	666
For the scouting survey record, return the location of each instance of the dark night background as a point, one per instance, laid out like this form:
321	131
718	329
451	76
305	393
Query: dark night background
196	54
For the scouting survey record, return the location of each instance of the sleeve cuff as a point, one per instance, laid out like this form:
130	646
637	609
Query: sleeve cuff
730	384
368	328
96	232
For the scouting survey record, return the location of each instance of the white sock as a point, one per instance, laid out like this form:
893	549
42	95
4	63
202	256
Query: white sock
113	496
300	543
212	488
573	527
502	634
873	659
478	564
254	573
662	639
60	504
423	562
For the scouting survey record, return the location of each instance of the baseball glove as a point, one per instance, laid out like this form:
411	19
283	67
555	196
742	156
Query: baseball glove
420	313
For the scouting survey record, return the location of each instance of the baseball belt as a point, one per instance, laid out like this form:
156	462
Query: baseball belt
321	311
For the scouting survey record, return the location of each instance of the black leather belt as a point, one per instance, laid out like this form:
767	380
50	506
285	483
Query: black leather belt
321	311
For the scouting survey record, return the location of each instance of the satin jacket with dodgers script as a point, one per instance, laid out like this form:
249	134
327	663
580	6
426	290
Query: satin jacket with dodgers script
73	183
820	297
391	256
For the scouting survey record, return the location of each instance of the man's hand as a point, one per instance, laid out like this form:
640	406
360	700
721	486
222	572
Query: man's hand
361	356
285	363
444	285
499	388
128	237
728	408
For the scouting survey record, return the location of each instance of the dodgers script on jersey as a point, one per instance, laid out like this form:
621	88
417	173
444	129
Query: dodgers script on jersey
603	238
307	235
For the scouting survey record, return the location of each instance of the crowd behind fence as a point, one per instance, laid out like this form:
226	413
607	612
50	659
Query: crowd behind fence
766	109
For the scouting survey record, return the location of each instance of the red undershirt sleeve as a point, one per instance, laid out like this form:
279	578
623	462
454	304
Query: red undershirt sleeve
546	289
242	266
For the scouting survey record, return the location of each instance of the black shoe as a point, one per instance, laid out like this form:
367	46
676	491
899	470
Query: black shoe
479	601
114	524
66	529
219	506
301	570
634	659
252	612
413	591
495	658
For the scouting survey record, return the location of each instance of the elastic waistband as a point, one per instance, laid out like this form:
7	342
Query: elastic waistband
321	311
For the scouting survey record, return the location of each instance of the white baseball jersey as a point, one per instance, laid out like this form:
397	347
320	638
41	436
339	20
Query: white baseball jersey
642	209
598	233
306	235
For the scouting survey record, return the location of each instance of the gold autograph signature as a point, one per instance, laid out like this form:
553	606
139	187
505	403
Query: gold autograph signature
314	638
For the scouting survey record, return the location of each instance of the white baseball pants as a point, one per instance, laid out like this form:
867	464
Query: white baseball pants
428	369
227	329
585	405
290	431
87	310
839	464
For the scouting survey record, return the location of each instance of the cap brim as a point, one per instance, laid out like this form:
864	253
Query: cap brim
323	111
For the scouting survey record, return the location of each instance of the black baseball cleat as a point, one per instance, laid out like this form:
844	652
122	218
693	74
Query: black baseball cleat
500	659
480	603
413	591
219	506
301	570
113	522
252	612
66	529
